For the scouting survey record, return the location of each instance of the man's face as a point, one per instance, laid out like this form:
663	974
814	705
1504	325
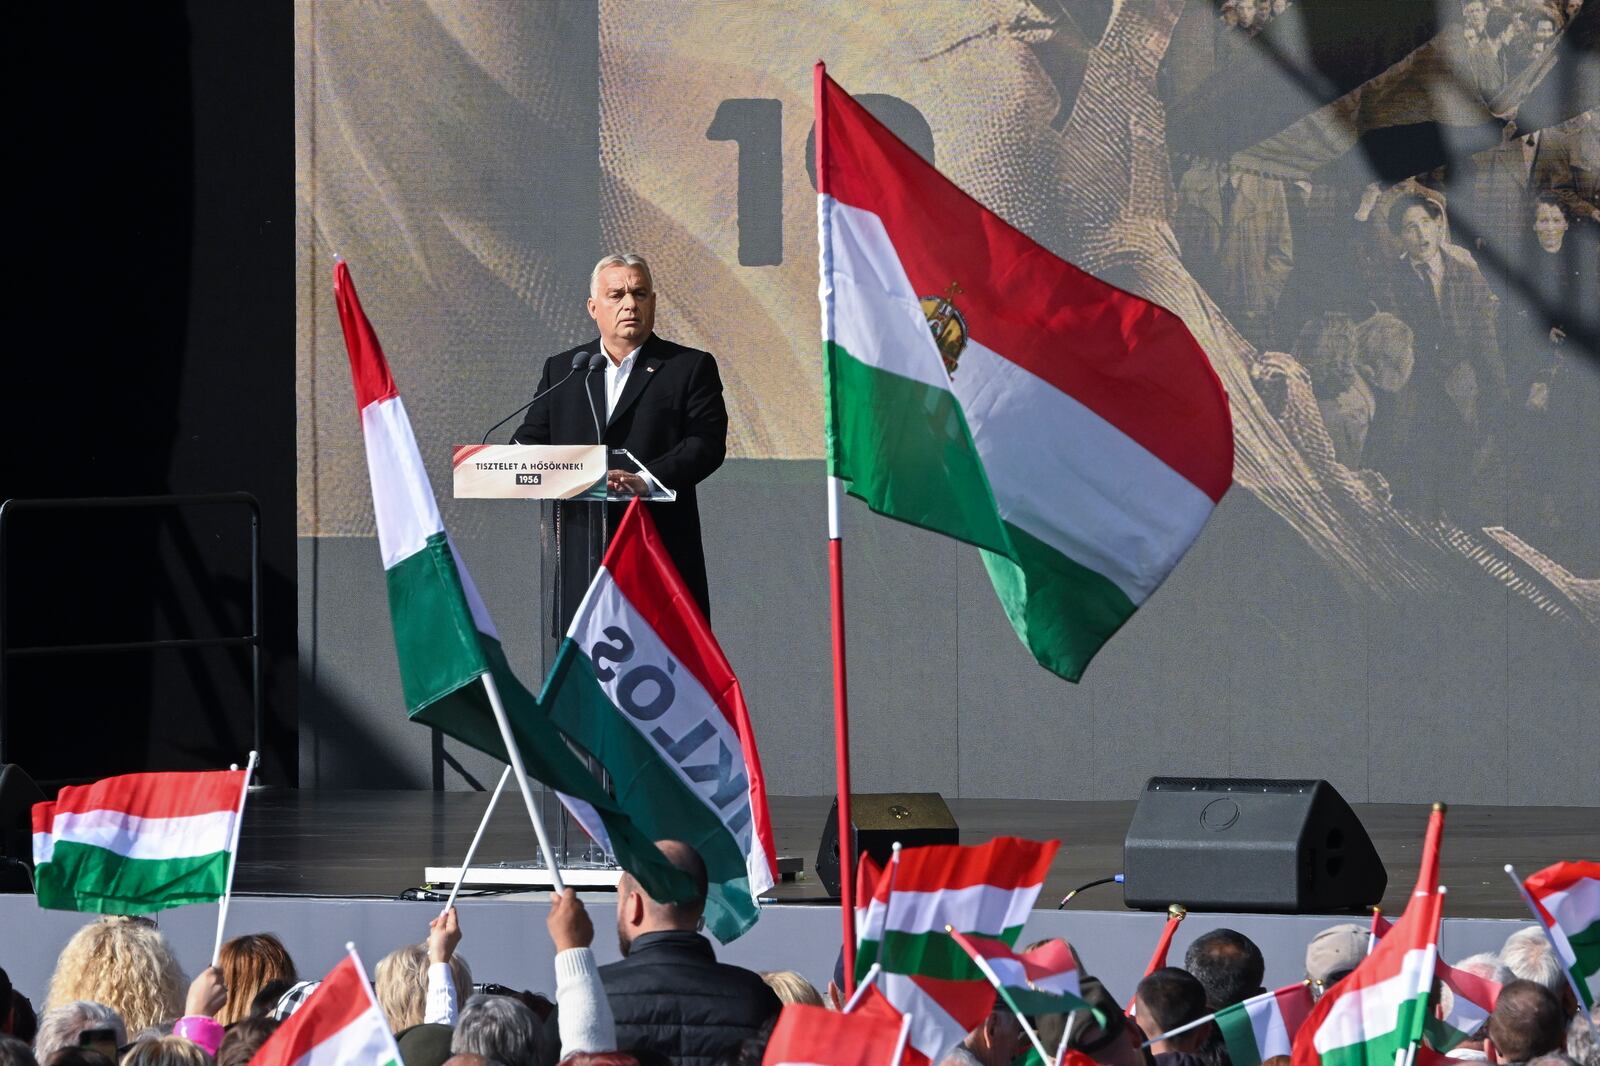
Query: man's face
1544	31
1419	233
1477	15
1550	227
623	305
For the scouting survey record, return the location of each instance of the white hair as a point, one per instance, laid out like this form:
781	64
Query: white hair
1487	964
498	1028
616	259
61	1026
1528	955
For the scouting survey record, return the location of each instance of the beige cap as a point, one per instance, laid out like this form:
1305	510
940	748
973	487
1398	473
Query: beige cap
1334	952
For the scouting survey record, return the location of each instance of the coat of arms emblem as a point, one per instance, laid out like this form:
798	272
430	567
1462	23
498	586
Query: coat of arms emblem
949	328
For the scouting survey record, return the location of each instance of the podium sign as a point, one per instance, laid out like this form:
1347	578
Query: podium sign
527	471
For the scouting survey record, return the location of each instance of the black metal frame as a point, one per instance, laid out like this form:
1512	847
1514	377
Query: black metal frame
252	640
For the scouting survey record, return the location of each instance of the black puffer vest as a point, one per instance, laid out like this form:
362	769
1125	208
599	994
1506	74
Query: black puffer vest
672	996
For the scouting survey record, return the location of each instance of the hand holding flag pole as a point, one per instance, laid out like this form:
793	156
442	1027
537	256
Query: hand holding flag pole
233	856
472	849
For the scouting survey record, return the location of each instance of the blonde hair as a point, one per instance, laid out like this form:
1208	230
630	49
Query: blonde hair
402	984
248	963
167	1051
790	987
124	963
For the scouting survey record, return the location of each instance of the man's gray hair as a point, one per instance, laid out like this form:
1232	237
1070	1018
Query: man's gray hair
1487	964
1528	955
499	1028
617	259
61	1026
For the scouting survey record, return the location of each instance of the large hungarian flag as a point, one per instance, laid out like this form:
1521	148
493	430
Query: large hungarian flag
641	684
1264	1026
1567	899
1382	1006
446	642
339	1024
137	843
980	387
816	1036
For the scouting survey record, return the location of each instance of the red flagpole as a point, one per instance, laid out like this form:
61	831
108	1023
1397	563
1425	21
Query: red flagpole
841	702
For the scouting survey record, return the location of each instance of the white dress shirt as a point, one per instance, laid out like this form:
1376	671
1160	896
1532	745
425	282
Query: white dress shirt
617	379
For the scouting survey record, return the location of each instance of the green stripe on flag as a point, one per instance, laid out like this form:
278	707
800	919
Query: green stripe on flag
1586	952
927	954
1032	1001
1062	610
1240	1035
1380	1050
439	646
84	877
649	789
906	451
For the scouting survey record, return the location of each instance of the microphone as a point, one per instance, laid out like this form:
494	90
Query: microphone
581	359
596	362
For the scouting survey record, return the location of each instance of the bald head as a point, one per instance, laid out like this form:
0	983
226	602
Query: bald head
637	913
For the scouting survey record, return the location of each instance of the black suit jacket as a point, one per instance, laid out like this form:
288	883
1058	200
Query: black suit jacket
671	416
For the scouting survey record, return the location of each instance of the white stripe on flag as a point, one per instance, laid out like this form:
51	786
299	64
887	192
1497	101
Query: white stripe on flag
480	613
402	496
1272	1035
364	1042
1363	1013
1575	907
877	315
933	1030
138	838
666	703
982	909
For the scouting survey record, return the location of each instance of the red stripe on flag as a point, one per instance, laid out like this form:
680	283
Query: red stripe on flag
369	370
1294	1003
1562	875
1469	986
1428	868
968	1002
338	1001
644	573
156	795
1004	862
1130	361
806	1034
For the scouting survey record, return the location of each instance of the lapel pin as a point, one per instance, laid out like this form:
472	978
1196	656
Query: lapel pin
649	370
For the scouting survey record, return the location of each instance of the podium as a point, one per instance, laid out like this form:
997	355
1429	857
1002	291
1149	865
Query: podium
577	515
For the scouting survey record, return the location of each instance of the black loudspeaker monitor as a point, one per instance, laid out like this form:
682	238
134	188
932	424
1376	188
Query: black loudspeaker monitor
915	819
18	794
1249	844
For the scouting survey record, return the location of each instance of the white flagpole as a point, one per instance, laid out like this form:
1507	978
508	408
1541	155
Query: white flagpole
862	985
514	757
900	1045
472	849
1572	982
1066	1036
233	857
1198	1022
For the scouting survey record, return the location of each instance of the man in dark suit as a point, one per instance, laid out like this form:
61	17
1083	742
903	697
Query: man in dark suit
659	400
1439	440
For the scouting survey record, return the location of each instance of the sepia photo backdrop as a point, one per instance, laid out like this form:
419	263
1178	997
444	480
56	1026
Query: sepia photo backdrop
1380	220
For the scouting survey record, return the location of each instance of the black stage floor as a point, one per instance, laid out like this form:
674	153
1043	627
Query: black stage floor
376	844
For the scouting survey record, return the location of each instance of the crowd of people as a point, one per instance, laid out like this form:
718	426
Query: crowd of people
118	996
1489	265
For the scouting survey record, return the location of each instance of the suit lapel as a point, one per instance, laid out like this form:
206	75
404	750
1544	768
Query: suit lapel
644	370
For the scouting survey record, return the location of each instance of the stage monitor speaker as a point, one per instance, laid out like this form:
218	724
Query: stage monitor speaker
1249	844
915	819
18	794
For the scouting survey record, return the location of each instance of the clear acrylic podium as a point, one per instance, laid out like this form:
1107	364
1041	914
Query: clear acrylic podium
577	514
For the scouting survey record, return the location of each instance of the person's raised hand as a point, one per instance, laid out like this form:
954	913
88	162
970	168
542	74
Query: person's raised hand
569	922
207	993
444	933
